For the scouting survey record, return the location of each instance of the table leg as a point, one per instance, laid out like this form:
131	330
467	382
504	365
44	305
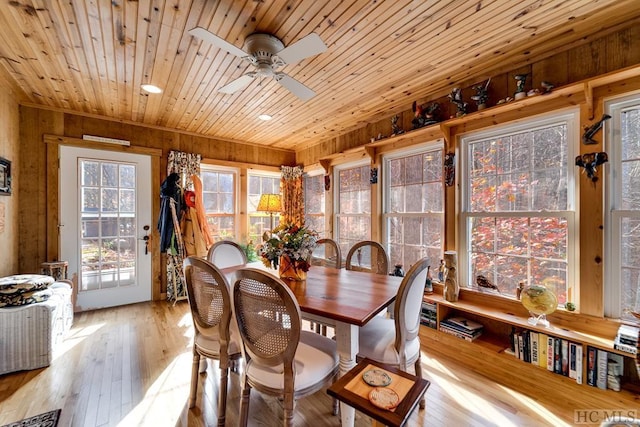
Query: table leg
347	342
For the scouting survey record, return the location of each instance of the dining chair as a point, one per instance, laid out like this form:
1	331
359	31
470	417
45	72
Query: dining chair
327	254
226	253
281	358
216	333
396	341
368	256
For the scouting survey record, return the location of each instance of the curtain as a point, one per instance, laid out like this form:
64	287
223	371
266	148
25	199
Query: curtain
292	195
185	165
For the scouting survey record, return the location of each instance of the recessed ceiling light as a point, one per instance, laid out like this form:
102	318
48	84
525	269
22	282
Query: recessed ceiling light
151	88
264	117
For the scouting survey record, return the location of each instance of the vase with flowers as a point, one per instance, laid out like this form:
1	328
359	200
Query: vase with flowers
288	249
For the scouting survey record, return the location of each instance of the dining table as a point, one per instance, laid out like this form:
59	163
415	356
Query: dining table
343	299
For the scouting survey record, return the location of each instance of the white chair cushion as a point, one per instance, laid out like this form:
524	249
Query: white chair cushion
377	339
227	256
316	357
212	345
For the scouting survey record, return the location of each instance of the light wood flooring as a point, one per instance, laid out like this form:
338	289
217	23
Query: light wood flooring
130	366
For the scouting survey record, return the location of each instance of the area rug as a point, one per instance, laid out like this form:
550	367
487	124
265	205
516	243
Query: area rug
48	419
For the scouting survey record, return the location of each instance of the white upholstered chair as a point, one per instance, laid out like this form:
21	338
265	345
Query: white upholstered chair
281	359
396	341
226	253
216	334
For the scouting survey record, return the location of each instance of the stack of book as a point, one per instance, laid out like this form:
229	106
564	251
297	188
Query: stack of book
462	328
428	316
627	339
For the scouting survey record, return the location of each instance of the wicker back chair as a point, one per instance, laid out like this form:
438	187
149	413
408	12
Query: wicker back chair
401	348
327	254
226	253
368	256
216	333
269	321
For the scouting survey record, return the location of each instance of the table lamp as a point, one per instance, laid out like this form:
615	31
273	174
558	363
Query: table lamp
270	203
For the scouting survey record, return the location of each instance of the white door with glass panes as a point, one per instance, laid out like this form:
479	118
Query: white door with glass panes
105	213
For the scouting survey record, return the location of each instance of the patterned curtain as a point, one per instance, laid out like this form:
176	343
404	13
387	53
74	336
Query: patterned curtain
186	165
292	195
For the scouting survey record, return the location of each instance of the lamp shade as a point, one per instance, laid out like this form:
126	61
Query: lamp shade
269	203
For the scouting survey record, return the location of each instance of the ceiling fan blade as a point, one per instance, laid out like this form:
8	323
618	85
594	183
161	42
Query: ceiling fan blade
305	47
295	87
218	42
239	83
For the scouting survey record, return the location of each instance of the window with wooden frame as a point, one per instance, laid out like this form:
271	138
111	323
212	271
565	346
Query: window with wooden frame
261	183
314	203
352	205
518	207
413	216
622	217
219	196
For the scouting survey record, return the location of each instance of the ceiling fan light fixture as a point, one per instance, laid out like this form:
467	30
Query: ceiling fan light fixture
265	117
151	88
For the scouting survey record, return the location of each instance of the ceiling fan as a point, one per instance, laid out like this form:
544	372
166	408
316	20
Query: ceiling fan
267	53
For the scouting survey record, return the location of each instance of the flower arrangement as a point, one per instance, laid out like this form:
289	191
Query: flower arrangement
295	242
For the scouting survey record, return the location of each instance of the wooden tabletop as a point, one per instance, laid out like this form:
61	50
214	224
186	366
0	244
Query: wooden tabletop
348	296
352	390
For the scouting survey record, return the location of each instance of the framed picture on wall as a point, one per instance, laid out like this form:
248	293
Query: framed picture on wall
5	177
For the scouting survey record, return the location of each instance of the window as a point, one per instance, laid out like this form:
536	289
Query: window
353	203
623	208
314	206
414	206
518	208
219	189
259	222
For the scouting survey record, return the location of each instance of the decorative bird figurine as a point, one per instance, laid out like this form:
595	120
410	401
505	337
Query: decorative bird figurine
590	131
483	282
590	162
546	87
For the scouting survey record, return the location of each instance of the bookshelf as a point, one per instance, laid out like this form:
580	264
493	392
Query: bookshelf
500	317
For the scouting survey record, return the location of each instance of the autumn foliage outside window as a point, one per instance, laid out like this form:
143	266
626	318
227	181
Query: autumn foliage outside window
518	207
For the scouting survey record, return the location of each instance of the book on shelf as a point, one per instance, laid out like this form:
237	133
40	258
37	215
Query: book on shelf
557	356
526	344
564	358
520	346
533	345
615	369
601	366
579	364
628	334
573	347
542	350
592	371
631	349
550	353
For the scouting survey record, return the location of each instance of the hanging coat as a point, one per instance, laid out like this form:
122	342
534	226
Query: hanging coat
169	190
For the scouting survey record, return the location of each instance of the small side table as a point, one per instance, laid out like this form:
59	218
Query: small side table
352	390
56	269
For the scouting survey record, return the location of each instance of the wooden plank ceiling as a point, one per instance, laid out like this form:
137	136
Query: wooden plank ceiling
91	56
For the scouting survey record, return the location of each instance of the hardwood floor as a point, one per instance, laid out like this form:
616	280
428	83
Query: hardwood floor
130	366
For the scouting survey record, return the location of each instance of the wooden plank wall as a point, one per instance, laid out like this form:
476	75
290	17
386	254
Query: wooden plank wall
594	58
600	56
38	206
9	141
